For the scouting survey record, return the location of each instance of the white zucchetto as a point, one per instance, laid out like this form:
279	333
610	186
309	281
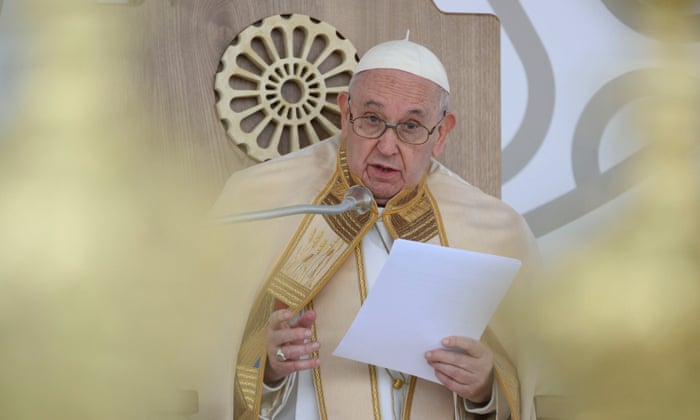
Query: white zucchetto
407	56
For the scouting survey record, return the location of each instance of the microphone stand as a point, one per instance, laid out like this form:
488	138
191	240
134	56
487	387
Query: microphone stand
356	198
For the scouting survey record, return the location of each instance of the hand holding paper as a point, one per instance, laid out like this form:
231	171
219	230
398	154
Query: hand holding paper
425	293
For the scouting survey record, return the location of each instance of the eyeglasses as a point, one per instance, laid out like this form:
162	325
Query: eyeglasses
373	127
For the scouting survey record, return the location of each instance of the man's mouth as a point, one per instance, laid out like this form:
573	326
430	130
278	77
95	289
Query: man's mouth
384	169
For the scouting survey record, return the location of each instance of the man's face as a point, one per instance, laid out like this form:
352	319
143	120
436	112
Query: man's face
387	165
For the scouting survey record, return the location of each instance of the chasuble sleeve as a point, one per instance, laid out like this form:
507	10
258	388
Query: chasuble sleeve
497	408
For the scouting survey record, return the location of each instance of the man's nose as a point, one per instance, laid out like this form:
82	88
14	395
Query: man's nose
388	143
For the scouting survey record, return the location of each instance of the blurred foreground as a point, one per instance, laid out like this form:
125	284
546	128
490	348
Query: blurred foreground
619	321
112	296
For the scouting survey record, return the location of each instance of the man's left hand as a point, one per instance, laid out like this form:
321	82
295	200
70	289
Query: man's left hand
466	369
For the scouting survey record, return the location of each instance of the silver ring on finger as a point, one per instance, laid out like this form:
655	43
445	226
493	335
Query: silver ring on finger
280	354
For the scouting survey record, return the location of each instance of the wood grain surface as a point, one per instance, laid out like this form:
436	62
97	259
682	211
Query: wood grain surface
175	47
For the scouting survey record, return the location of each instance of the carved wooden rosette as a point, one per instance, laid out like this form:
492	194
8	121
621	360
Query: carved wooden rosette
278	83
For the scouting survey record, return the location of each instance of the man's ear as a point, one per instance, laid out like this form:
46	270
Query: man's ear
343	105
447	124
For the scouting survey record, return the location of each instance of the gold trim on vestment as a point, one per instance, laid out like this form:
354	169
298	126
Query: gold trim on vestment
409	398
374	383
317	374
321	244
503	369
414	215
362	284
318	248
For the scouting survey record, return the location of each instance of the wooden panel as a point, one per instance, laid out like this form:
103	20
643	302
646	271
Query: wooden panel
177	45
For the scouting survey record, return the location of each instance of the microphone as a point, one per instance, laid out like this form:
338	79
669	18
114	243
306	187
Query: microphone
356	198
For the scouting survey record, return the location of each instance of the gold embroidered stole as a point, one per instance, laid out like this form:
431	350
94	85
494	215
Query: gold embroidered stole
325	248
344	386
318	248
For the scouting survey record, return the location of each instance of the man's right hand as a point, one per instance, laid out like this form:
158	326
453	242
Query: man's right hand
292	340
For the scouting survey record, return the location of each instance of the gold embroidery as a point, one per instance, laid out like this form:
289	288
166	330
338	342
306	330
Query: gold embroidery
316	251
438	218
504	371
315	254
362	284
247	379
318	386
287	290
409	400
374	383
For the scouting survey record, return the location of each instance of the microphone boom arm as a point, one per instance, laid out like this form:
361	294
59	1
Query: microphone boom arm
356	198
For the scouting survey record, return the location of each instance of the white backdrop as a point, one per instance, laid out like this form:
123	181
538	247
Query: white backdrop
569	83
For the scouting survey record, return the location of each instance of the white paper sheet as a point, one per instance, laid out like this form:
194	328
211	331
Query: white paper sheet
425	293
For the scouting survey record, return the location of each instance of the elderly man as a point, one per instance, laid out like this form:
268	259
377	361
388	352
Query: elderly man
316	270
